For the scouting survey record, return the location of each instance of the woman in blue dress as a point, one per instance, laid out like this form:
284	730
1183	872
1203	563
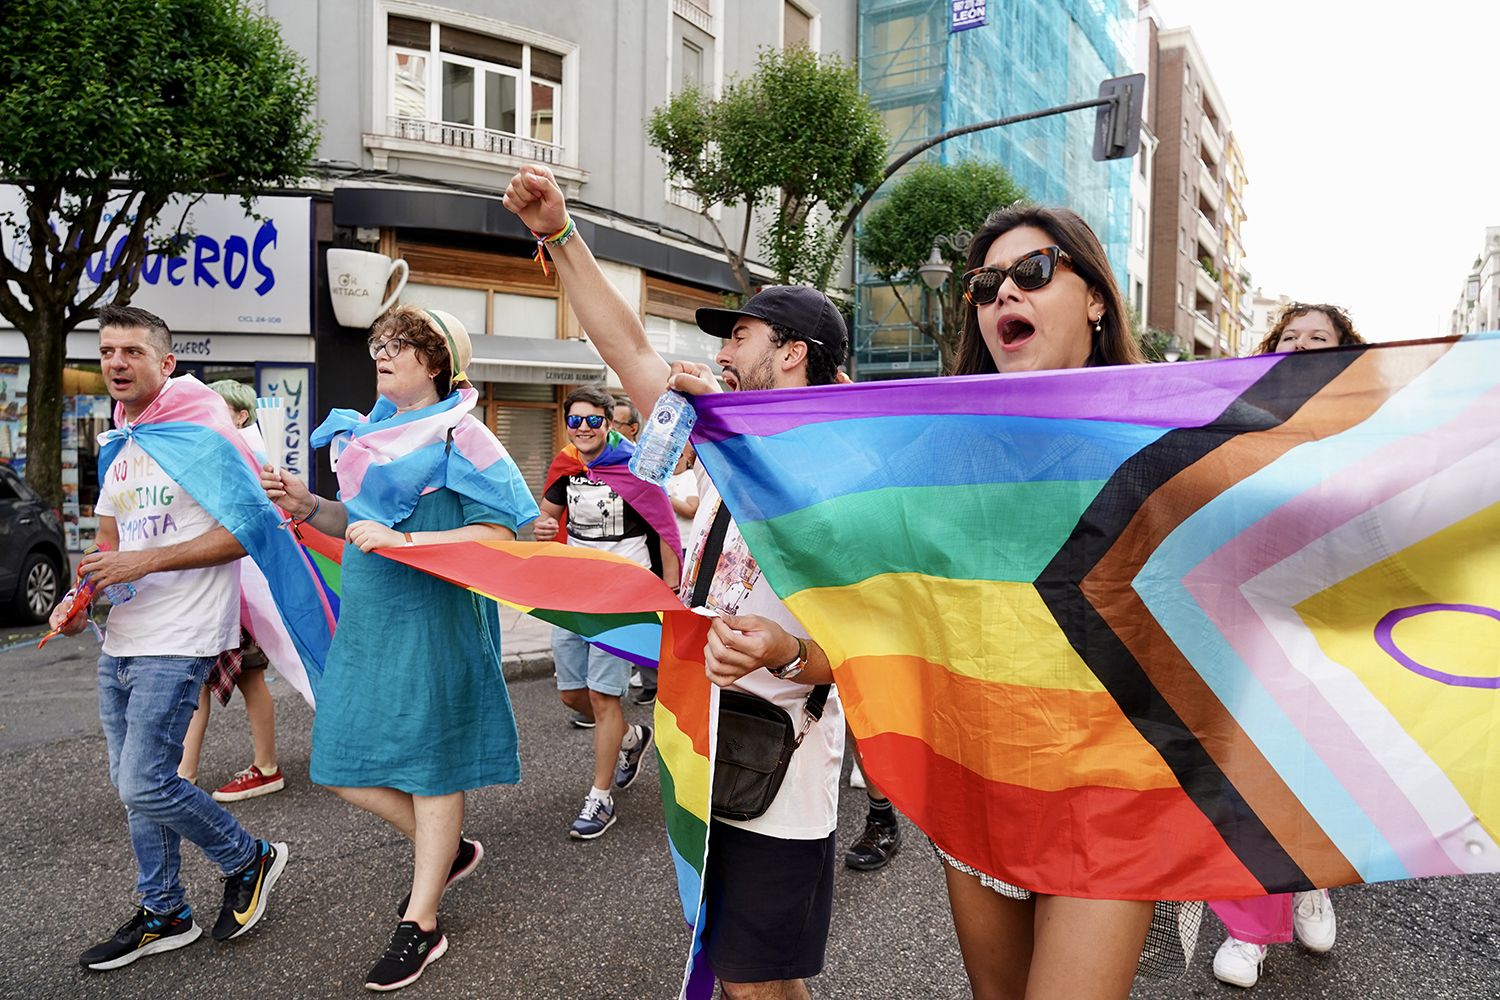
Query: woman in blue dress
412	710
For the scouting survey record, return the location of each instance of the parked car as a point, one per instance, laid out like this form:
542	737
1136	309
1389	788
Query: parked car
33	551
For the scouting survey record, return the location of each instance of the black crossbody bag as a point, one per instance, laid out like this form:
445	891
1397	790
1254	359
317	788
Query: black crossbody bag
756	738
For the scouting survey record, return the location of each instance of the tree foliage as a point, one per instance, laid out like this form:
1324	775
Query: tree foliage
112	107
928	201
795	143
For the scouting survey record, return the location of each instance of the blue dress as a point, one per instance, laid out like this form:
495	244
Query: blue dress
412	696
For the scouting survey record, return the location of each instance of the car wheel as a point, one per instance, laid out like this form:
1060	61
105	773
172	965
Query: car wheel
39	589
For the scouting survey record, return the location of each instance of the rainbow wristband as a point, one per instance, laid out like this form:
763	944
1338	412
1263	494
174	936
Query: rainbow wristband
557	239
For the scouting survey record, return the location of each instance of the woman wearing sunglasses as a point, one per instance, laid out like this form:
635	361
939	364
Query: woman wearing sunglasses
412	708
1253	924
1041	296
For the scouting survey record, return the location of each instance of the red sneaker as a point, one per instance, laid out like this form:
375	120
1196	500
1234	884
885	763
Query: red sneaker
249	783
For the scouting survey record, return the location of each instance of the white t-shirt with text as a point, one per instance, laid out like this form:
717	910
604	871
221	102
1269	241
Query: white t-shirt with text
190	612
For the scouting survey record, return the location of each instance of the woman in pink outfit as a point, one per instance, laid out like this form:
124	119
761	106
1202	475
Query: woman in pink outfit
1254	924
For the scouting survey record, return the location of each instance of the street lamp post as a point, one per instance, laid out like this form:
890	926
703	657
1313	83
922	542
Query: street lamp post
935	271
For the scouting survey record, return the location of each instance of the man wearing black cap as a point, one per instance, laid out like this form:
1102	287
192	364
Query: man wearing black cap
769	880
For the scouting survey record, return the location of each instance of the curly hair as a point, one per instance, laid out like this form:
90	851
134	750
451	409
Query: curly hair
411	325
1336	315
822	361
1112	345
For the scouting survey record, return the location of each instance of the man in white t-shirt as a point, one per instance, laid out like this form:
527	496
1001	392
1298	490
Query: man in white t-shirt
158	648
769	880
581	493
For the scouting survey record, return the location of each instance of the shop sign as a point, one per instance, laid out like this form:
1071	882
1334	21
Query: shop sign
235	273
293	384
965	14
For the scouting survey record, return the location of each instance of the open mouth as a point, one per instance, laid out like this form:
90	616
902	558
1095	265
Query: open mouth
1014	333
383	370
731	379
120	383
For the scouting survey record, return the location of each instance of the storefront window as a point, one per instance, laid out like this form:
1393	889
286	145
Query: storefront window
525	316
465	303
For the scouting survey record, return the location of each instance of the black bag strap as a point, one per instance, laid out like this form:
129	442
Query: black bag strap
713	547
816	700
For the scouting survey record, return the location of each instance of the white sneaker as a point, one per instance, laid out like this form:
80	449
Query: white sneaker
1313	921
856	776
635	680
1238	962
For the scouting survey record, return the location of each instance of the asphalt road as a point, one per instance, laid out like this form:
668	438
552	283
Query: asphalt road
544	917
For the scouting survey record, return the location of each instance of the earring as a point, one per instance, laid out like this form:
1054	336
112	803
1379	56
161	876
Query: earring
1098	325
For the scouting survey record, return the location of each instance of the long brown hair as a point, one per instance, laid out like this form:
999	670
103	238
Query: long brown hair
1112	345
1336	315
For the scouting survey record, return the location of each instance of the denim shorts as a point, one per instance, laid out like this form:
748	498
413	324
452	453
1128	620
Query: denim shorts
580	665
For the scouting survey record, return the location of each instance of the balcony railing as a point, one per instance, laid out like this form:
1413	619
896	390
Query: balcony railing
473	137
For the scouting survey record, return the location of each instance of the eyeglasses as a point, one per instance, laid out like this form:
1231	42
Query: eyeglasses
1029	271
391	347
574	421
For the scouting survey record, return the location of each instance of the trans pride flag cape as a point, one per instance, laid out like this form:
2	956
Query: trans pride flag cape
1190	631
187	431
611	466
386	460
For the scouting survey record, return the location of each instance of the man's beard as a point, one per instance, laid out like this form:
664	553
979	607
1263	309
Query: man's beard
762	376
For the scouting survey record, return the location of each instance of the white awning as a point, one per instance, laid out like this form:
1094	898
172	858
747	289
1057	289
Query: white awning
534	359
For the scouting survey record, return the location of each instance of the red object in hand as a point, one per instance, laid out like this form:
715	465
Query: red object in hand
83	596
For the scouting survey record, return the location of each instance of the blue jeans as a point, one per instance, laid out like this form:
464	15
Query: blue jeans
145	704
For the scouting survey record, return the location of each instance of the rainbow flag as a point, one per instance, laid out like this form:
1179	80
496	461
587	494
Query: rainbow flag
1191	631
623	608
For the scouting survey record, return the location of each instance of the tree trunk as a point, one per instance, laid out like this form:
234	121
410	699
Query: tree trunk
44	399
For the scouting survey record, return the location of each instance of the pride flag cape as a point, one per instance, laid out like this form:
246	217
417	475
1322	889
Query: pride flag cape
542	579
611	466
1191	631
386	460
187	431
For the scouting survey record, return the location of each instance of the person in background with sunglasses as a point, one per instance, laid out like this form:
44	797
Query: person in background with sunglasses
1253	924
1042	296
592	499
412	706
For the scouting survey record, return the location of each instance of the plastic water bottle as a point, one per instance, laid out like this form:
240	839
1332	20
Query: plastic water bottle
116	593
663	438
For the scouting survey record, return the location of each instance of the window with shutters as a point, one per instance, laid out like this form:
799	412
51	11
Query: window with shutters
450	85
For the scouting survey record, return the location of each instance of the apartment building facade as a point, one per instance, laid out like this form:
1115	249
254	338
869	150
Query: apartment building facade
1478	306
928	67
1200	287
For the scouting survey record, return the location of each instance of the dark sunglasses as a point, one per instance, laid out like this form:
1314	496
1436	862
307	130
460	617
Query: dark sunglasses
1029	271
574	421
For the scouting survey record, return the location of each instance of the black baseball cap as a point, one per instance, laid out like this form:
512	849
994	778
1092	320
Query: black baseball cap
805	311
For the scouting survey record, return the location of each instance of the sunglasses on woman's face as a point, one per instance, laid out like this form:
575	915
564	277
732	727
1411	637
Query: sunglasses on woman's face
595	421
1029	271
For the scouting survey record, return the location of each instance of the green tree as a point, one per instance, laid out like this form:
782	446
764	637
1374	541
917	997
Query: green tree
928	201
1154	343
795	142
112	107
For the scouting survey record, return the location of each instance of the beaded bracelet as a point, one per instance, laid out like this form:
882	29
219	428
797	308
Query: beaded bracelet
557	239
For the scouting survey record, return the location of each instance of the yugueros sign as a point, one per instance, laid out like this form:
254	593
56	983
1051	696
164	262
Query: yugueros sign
234	273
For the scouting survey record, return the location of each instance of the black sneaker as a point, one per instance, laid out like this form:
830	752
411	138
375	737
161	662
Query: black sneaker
408	954
245	894
469	854
628	766
645	696
875	847
144	934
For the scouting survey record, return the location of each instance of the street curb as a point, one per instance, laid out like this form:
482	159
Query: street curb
526	666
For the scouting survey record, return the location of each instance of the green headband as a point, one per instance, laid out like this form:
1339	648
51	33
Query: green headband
458	376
